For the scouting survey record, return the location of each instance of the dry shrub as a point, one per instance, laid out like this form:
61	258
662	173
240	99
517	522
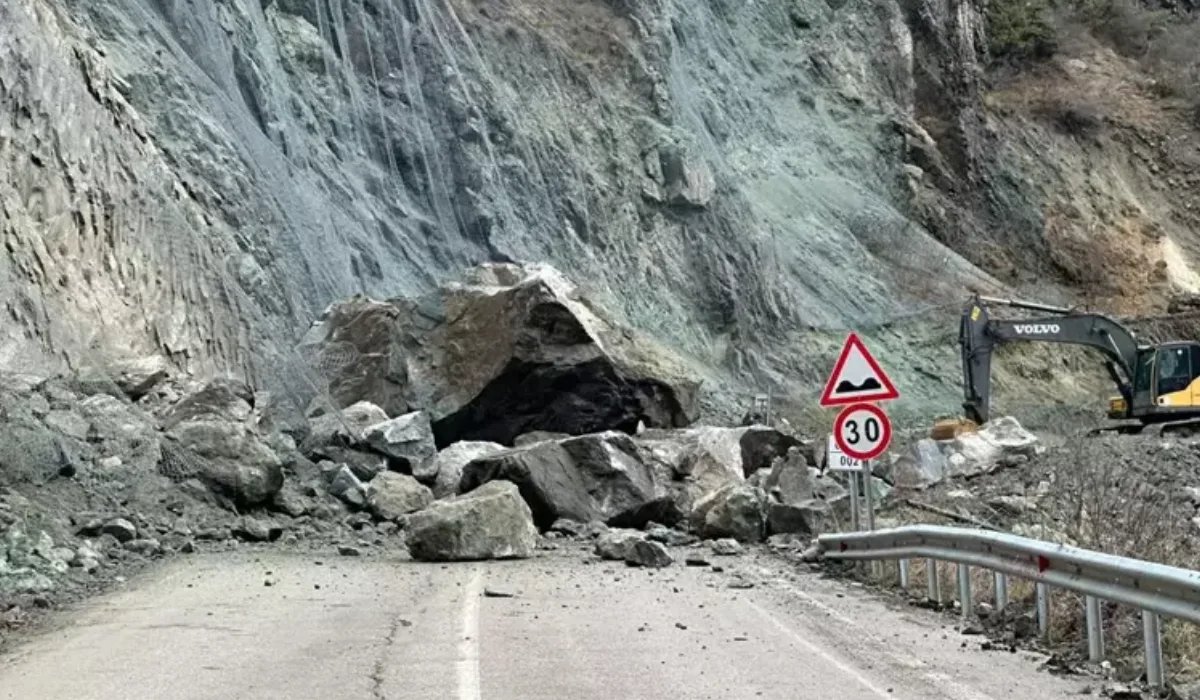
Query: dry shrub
1127	25
1110	499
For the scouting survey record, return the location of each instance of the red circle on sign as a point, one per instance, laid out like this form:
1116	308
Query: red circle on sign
842	424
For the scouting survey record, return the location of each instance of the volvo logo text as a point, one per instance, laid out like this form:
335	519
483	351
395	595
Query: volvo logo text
1037	328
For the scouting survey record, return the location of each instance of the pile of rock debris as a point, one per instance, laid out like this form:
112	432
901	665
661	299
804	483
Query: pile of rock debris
480	424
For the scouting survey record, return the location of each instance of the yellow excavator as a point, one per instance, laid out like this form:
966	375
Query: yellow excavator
1159	385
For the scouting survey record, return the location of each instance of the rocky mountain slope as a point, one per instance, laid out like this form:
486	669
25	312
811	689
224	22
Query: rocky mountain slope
200	179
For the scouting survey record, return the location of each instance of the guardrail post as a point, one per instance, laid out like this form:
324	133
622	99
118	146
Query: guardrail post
964	590
904	574
1043	609
932	583
1095	630
1154	660
1001	591
854	523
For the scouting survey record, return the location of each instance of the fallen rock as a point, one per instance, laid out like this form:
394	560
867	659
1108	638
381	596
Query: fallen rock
736	511
448	464
257	530
146	547
512	351
827	489
138	377
407	439
593	477
998	442
222	400
365	465
231	459
615	544
807	518
568	527
491	522
923	466
391	495
789	481
693	463
788	541
648	554
346	486
341	428
669	536
726	548
121	529
291	501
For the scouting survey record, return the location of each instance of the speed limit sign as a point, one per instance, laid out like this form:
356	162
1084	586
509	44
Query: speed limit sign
862	431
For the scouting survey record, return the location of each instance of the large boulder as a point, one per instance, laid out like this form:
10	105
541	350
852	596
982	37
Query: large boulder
448	464
227	456
738	511
1000	442
790	481
492	522
341	428
807	518
220	400
408	440
593	477
692	464
921	467
391	496
513	350
616	544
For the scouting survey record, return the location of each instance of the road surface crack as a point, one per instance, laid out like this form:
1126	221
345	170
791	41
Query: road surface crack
384	653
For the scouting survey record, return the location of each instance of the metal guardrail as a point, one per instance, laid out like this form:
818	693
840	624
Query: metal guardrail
1154	589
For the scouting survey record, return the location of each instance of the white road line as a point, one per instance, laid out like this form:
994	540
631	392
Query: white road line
849	671
468	644
956	690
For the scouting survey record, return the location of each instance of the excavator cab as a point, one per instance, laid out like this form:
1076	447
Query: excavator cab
1166	380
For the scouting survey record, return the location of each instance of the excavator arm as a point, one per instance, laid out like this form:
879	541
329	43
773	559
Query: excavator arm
979	335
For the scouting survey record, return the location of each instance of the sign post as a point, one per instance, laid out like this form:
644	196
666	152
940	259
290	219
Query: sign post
861	431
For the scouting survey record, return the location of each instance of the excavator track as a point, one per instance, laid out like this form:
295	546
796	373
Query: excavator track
1180	428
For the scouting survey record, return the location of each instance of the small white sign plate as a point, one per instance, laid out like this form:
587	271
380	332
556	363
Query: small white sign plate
839	461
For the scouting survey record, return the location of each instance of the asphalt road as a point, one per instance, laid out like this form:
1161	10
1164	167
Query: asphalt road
209	627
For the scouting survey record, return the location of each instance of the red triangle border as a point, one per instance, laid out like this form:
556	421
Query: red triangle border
887	393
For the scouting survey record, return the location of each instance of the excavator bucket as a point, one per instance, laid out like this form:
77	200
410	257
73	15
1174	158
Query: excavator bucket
950	428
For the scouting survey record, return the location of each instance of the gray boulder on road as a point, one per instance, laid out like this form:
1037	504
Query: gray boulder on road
233	460
592	477
391	496
649	554
491	522
344	427
808	518
346	486
511	351
407	439
448	464
616	544
738	511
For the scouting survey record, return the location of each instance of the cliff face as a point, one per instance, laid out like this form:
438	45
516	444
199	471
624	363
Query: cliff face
201	178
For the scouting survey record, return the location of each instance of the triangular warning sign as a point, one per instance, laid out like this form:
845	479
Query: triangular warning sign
857	377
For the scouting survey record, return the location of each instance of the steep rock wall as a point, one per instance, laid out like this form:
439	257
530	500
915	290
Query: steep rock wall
201	177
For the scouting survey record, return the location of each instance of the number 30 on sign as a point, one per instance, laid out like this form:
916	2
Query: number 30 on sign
862	431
